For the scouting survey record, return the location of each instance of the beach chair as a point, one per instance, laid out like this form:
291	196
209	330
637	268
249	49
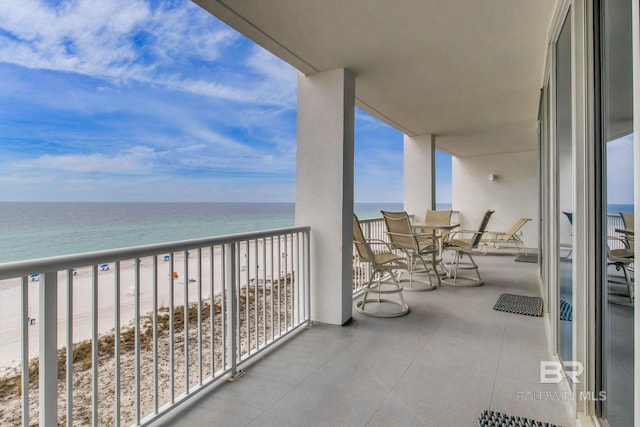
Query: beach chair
567	246
384	264
622	259
628	236
462	243
627	220
422	247
500	239
437	217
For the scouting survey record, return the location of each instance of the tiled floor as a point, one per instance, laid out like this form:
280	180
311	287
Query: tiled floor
450	358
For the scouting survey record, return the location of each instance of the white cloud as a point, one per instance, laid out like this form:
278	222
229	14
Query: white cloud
135	161
116	40
280	79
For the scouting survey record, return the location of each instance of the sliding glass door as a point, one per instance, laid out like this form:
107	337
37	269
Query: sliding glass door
564	190
615	146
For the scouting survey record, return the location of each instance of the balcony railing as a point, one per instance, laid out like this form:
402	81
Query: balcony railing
123	336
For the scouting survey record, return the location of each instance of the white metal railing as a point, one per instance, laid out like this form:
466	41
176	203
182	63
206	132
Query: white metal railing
142	329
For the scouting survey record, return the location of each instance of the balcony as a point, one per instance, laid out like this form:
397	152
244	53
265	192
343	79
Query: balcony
450	358
150	326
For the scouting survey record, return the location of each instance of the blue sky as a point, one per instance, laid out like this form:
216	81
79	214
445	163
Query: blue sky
620	171
155	101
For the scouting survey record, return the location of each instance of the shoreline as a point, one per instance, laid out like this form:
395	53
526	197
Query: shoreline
10	295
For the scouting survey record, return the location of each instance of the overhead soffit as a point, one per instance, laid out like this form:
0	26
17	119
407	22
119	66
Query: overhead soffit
456	69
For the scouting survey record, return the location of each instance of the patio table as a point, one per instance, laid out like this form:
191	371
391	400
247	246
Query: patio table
417	225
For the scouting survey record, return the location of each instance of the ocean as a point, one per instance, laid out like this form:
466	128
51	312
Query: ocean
39	230
616	209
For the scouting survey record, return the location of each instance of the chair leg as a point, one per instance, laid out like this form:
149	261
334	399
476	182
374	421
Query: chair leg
457	264
412	260
361	306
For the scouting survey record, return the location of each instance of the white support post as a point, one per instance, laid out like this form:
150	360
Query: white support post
419	174
48	349
324	188
231	302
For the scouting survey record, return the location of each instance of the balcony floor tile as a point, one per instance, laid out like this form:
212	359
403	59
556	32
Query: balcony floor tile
450	358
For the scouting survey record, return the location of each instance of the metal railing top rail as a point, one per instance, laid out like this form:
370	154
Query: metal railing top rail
26	267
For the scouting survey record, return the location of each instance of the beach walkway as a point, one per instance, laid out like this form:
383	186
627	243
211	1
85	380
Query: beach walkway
445	362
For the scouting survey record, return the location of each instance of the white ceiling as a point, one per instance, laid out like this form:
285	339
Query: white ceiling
468	71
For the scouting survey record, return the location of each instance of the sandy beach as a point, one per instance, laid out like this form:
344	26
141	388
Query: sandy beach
258	264
265	309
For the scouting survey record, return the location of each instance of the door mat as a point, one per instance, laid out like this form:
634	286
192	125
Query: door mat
493	418
565	311
532	258
519	304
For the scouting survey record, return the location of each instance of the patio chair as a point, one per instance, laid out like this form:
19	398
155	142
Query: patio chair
567	246
420	247
627	220
628	238
383	263
461	246
436	217
622	259
498	240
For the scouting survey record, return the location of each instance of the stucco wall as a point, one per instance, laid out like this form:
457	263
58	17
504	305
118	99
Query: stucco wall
513	195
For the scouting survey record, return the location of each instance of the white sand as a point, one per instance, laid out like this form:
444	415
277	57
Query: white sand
10	307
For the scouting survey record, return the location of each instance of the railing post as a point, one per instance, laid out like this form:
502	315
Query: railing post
231	303
307	270
367	265
48	324
26	321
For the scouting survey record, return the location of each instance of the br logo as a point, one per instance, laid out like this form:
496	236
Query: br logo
551	372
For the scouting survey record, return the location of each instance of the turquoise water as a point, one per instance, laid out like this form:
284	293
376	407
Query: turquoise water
616	209
38	230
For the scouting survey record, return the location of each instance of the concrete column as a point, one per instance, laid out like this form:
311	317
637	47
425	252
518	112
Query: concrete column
324	188
419	174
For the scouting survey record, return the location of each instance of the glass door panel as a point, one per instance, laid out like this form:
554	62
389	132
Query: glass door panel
616	140
564	189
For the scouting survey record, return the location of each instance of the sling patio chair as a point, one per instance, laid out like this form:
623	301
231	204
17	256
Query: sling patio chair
628	232
417	247
622	259
567	246
498	239
627	220
436	217
461	243
384	264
